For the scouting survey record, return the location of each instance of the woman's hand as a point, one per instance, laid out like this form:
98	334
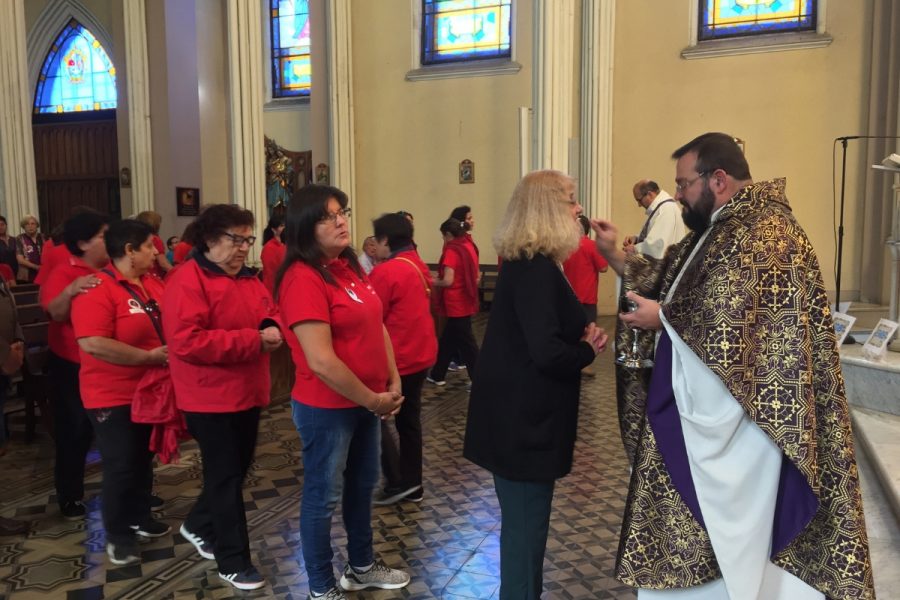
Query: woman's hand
270	338
596	337
158	356
386	404
82	284
14	359
645	316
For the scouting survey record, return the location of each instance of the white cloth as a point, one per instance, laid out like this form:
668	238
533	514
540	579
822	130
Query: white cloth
666	226
735	468
366	263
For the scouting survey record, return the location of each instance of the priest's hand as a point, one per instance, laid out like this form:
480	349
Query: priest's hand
645	316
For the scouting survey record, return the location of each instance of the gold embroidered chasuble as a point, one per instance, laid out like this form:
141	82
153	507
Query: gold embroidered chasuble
752	306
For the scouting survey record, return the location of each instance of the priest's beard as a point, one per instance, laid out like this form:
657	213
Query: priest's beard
698	218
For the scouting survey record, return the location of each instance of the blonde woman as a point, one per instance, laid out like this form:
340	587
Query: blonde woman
29	246
523	411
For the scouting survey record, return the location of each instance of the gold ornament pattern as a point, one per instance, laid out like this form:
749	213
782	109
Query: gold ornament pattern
752	306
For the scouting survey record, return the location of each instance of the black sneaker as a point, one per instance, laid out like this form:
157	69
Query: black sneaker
151	529
203	547
72	511
378	576
416	496
122	554
156	503
248	579
394	495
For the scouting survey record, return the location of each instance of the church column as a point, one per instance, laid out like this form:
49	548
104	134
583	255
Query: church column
138	82
19	186
246	88
341	143
553	84
598	41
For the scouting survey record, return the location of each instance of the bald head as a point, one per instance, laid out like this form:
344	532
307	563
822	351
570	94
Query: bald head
645	191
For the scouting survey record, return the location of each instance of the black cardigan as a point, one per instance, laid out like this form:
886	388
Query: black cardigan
523	411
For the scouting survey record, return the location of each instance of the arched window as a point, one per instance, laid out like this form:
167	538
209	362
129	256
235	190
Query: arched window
741	18
77	74
463	30
289	35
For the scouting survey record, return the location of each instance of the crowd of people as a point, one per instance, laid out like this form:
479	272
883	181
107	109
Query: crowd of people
723	502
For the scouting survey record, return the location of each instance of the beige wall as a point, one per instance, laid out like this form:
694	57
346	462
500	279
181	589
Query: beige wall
411	136
788	106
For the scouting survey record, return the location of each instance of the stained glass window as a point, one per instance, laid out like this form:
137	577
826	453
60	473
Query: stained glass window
291	68
736	18
77	74
462	30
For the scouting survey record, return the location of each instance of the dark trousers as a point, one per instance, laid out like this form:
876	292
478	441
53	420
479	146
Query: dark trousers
401	459
457	337
72	428
525	521
127	471
590	311
227	442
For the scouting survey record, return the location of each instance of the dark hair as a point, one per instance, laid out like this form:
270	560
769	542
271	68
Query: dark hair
716	151
275	222
188	233
585	224
406	214
2	218
459	213
454	227
81	228
647	187
169	241
124	232
308	207
214	221
396	228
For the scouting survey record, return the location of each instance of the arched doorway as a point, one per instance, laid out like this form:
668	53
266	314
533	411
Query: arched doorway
74	128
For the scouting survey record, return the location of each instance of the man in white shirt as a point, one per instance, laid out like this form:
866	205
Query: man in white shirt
663	226
367	258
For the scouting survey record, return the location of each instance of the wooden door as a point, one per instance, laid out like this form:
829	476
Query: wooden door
76	163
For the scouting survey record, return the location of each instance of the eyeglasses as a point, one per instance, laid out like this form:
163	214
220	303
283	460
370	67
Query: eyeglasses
681	187
239	240
333	217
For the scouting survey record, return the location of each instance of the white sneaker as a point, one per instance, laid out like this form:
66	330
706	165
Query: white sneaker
203	547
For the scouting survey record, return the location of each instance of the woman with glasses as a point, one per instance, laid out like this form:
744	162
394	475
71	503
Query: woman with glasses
117	325
523	413
346	381
221	324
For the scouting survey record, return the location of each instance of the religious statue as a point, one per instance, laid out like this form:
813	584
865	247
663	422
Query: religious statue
279	178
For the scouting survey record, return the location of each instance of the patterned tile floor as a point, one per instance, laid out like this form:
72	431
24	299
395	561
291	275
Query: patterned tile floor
448	543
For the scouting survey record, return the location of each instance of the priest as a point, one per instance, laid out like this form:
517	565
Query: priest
744	481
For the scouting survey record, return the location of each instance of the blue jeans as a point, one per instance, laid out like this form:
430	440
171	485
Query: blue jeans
340	462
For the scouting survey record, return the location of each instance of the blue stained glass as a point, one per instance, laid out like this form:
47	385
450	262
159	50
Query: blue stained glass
462	30
291	68
736	18
77	74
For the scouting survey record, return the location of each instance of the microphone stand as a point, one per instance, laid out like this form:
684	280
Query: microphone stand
840	245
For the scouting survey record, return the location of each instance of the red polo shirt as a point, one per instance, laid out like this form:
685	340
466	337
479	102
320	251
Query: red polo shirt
51	256
180	252
110	311
406	307
581	269
272	256
353	311
60	335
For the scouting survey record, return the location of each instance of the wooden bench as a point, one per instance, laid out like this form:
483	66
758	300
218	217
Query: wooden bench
24	297
30	314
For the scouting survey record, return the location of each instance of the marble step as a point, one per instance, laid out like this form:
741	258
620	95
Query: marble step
878	435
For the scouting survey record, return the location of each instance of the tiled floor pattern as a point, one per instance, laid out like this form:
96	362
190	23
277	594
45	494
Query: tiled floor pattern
448	543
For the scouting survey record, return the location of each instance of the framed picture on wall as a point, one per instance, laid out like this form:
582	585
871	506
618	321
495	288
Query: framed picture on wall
187	201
